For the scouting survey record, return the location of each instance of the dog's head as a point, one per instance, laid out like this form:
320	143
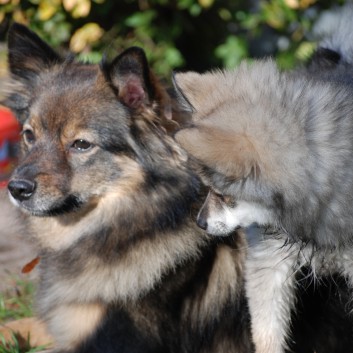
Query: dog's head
87	128
229	150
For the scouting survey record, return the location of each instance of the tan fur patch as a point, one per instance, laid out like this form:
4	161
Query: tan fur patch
72	324
137	271
220	290
232	155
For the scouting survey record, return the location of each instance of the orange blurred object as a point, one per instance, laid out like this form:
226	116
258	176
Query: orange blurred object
9	137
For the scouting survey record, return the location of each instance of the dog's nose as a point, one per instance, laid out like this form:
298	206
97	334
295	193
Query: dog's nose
202	222
21	189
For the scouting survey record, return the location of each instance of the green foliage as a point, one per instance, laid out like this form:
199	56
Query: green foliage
17	302
18	347
232	51
177	34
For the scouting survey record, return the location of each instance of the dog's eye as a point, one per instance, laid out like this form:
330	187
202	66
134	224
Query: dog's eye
28	137
219	195
229	201
81	145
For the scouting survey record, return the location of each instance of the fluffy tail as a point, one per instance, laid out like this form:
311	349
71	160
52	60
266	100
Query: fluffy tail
335	29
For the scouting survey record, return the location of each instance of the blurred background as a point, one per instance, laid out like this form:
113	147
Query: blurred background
176	34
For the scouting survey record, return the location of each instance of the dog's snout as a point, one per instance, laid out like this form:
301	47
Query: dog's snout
202	222
21	189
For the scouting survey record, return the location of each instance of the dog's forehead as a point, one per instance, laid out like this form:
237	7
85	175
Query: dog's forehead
79	83
68	97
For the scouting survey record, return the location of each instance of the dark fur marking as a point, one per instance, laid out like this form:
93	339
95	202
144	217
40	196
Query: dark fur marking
27	51
325	58
113	138
71	204
279	202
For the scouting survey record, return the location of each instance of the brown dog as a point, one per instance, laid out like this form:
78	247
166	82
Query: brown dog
111	202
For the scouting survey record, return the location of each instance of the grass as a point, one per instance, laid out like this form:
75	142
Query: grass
18	347
15	304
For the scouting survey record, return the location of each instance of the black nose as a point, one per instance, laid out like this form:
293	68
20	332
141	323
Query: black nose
21	189
202	222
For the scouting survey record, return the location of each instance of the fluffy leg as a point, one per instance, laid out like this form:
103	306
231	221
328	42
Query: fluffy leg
346	263
270	288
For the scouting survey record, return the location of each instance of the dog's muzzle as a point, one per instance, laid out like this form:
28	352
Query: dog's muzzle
22	189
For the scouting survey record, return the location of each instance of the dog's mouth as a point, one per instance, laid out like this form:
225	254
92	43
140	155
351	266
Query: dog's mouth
69	204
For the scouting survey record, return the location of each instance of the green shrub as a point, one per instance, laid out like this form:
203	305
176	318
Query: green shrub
177	34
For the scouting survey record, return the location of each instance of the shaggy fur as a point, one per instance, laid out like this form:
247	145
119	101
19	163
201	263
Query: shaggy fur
111	202
280	147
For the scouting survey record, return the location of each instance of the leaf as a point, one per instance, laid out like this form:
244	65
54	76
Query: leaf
206	3
92	57
232	51
305	50
77	8
84	36
140	19
69	4
47	8
173	57
82	8
293	4
19	17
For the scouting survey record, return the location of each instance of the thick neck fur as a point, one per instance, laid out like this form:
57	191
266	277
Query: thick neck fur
115	263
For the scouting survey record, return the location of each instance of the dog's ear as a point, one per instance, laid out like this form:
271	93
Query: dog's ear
231	155
190	88
184	103
130	76
28	54
198	93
